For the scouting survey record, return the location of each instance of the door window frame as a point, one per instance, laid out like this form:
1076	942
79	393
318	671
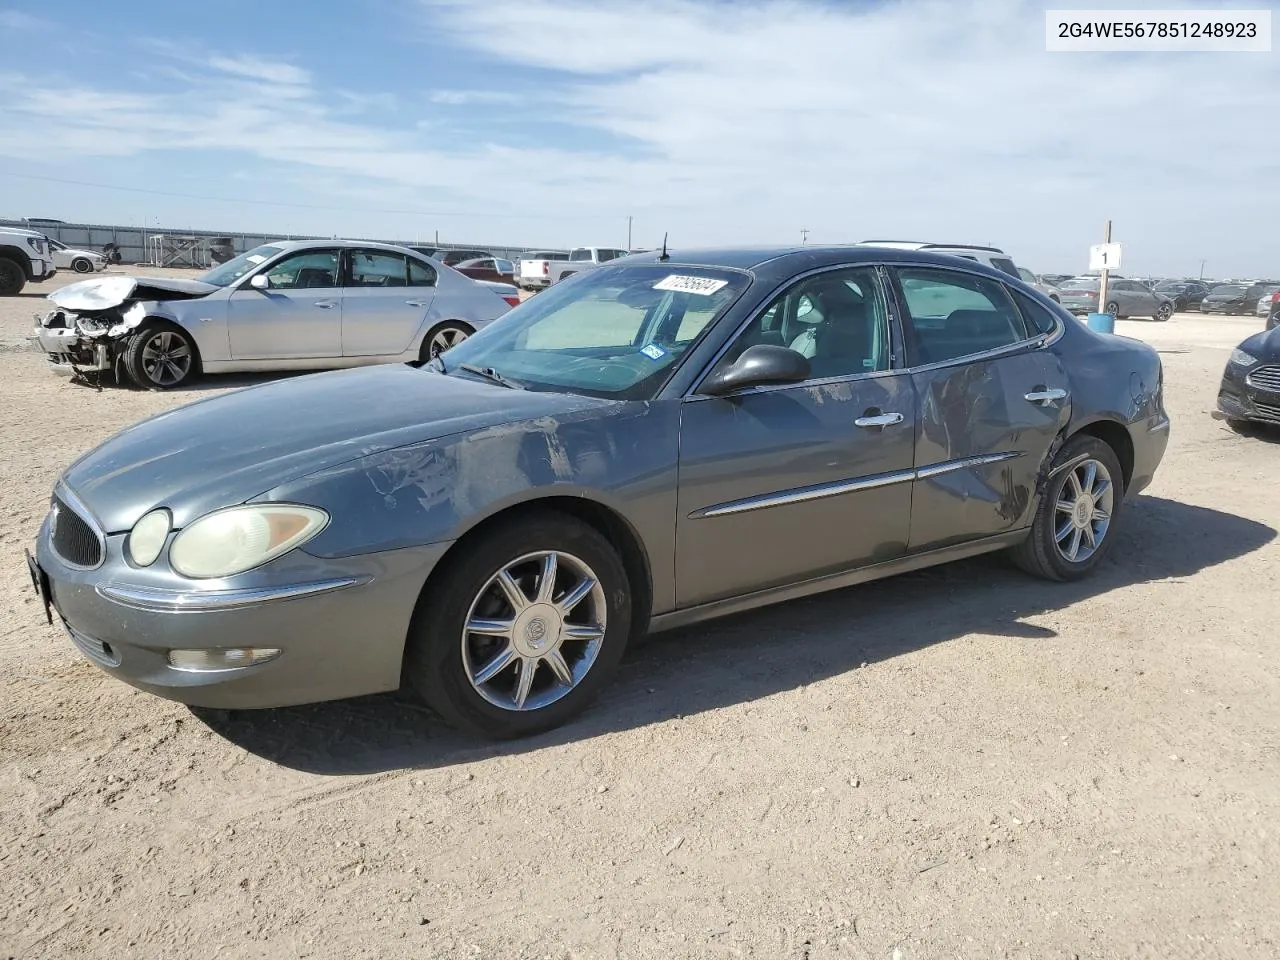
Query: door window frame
1035	341
897	352
347	272
268	265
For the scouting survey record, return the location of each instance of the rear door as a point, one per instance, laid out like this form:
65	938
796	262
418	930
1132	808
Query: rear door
992	400
780	484
298	316
382	309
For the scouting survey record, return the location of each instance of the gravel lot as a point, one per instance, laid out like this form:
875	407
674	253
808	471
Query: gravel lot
959	763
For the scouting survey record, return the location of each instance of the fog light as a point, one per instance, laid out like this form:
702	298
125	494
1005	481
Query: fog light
228	658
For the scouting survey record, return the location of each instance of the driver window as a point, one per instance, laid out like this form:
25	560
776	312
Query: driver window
837	320
314	269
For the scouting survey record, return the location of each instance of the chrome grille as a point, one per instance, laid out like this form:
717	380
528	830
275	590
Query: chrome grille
1265	378
1268	411
74	538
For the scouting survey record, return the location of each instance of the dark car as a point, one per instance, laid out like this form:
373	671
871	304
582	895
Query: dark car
662	440
452	258
1232	298
1250	389
488	268
1186	294
1273	311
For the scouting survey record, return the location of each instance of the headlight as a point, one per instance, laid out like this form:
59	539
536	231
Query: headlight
1242	359
147	538
237	539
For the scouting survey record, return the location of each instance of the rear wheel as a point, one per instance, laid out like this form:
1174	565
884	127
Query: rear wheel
443	336
1072	529
160	356
12	278
1113	308
522	629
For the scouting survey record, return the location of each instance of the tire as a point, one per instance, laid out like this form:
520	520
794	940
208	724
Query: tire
82	265
441	658
1044	553
1163	312
1113	308
441	337
161	356
12	277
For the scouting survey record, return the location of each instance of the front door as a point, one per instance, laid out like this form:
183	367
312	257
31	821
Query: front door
782	484
298	316
992	400
385	304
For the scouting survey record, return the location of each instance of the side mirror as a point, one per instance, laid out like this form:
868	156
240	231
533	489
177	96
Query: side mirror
259	281
758	366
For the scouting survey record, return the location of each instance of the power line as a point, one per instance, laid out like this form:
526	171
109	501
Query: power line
306	206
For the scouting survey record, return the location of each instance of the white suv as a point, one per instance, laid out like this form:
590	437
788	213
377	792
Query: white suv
992	256
24	257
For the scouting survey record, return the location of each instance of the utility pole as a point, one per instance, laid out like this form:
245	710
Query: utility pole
804	235
628	234
1102	283
1202	263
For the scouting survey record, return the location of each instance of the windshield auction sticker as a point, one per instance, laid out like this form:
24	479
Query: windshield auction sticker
703	286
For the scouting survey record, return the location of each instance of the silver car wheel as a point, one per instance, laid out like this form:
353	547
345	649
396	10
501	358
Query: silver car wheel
534	630
166	358
1165	311
1084	507
81	265
446	337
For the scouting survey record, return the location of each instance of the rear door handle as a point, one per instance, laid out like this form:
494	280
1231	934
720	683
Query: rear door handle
326	304
1046	397
879	420
415	303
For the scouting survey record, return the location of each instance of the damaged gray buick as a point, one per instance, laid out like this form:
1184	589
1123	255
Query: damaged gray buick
666	438
289	305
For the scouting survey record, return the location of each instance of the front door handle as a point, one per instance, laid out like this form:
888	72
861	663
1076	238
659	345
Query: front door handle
415	303
1046	397
878	420
326	304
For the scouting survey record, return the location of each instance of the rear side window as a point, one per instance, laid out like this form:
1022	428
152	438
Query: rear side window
579	254
957	314
1039	319
421	275
1005	264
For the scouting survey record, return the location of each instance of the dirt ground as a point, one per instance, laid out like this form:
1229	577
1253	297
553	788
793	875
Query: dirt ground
960	763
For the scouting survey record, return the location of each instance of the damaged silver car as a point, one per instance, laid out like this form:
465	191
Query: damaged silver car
296	305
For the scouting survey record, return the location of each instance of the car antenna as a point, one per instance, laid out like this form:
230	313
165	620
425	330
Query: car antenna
664	257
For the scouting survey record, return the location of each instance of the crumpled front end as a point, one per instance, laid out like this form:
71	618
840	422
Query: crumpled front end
88	341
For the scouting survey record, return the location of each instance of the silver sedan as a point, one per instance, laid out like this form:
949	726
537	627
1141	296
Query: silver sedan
290	305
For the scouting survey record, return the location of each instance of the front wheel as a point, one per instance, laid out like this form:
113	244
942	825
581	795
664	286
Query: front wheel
1072	529
1164	312
443	336
82	265
1113	308
522	629
160	356
12	279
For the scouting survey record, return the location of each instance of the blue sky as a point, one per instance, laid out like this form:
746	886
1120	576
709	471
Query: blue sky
545	122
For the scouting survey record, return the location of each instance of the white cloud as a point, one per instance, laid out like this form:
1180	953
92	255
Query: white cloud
252	68
14	20
745	122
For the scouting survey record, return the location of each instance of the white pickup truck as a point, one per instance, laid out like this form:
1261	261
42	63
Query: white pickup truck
25	258
580	258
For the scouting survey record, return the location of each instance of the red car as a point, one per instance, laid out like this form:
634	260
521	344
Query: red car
488	268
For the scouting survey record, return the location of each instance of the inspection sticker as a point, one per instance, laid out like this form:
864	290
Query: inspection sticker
703	286
653	352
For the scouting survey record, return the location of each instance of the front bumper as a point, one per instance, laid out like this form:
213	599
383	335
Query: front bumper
42	269
1240	400
341	623
67	347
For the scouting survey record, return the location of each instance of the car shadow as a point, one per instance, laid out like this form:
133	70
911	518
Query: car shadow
758	654
1253	430
92	380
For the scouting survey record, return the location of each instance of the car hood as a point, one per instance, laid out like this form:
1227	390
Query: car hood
226	450
1264	345
104	293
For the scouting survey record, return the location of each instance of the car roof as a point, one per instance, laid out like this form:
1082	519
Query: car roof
786	261
343	244
916	245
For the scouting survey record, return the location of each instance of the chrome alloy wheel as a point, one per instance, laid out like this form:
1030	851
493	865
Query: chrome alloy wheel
1083	511
445	338
166	358
534	630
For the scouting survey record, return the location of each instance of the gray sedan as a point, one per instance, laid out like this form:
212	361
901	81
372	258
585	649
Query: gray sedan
288	305
1125	298
647	445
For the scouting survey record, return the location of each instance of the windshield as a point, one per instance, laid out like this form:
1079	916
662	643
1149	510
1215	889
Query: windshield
615	332
231	271
1228	290
1079	285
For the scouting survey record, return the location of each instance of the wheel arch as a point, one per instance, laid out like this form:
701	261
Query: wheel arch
20	257
1115	435
156	319
605	520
